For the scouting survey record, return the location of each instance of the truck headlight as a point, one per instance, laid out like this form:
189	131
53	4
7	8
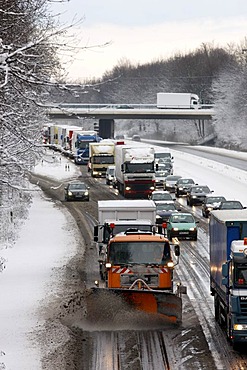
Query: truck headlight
86	192
192	229
108	265
175	228
69	193
128	188
170	264
240	326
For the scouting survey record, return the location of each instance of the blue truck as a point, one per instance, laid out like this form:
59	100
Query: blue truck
80	145
228	272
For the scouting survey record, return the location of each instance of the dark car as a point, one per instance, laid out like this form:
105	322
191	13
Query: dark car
183	185
211	203
197	194
164	209
76	190
231	204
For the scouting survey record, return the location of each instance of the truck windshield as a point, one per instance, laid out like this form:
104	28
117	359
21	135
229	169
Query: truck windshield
109	159
162	155
241	275
124	253
82	145
139	167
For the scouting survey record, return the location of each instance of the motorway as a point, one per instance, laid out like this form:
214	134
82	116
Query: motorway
114	338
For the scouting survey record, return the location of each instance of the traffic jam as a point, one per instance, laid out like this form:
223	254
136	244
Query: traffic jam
139	236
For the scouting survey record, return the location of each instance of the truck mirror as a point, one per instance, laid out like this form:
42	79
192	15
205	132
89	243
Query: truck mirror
177	250
225	281
95	233
225	270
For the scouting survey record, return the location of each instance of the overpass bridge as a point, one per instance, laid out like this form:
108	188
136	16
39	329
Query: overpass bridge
107	113
124	111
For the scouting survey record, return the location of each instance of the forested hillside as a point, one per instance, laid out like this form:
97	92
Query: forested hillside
216	75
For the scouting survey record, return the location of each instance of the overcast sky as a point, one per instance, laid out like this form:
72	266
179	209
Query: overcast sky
144	31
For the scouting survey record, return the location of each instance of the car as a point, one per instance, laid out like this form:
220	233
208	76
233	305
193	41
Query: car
197	194
136	138
231	204
160	176
163	155
124	106
170	182
164	166
76	190
164	209
119	137
158	195
183	185
211	203
110	174
182	225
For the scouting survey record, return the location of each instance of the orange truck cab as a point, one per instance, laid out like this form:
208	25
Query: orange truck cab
139	255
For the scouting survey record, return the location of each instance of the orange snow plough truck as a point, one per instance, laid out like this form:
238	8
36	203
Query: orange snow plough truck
139	267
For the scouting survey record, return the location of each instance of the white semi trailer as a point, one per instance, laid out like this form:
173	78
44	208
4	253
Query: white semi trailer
178	101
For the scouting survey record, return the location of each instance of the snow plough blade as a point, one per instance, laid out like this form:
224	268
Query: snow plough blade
165	304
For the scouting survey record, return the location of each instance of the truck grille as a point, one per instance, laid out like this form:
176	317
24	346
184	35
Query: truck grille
151	279
243	305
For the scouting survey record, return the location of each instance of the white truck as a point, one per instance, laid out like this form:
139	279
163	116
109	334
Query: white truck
135	170
101	156
178	101
115	216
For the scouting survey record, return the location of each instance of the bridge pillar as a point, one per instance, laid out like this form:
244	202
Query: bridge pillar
106	128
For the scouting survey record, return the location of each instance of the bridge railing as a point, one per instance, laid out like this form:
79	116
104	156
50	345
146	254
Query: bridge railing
65	106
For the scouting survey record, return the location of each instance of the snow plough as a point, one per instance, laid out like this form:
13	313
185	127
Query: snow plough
138	266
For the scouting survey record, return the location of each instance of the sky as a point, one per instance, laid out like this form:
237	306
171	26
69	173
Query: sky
145	31
33	265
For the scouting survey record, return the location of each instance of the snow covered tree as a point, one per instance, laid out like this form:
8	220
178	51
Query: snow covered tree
27	63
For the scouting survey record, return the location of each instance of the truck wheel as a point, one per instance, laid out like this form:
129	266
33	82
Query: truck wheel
235	346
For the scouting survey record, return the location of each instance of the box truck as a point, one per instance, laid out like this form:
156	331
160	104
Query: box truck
228	271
